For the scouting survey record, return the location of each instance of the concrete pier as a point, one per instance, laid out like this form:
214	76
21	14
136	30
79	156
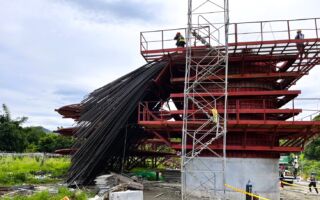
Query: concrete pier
262	173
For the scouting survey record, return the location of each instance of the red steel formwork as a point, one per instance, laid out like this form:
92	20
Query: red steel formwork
263	65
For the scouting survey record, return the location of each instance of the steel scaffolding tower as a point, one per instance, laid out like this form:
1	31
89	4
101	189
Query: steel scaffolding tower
199	177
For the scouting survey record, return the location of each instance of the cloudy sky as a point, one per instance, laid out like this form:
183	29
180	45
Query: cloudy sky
54	52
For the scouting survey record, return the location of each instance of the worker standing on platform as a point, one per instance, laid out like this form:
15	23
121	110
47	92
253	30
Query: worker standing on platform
180	40
313	182
300	45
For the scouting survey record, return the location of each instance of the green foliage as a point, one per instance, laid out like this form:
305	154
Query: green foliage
317	118
312	151
6	117
309	166
45	195
20	170
14	138
32	148
11	137
33	134
52	142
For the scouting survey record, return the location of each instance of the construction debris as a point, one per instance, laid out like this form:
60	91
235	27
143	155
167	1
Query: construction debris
105	183
112	183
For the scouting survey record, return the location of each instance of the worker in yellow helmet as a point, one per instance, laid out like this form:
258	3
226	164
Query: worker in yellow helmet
180	40
215	115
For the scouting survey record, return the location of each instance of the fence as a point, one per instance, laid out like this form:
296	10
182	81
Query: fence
238	33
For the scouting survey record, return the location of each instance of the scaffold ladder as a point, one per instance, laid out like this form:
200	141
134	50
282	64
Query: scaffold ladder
202	167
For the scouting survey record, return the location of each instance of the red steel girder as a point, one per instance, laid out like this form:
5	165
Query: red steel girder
164	140
272	75
238	45
243	93
241	110
66	131
70	111
236	124
69	151
247	148
177	131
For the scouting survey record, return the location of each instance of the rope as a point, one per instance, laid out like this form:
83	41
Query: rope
244	192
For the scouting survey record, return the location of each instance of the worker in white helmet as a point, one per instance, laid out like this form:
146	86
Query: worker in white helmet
300	45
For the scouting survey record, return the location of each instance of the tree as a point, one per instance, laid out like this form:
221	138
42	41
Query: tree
11	133
11	138
312	151
15	138
52	142
33	134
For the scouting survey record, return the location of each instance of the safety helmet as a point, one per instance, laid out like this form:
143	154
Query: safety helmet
299	31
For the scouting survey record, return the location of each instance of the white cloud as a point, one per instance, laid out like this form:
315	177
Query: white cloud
48	48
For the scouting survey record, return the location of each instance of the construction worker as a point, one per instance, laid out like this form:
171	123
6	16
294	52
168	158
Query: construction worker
180	40
300	45
313	182
296	167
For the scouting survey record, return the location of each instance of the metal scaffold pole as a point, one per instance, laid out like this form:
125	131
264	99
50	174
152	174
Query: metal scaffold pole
203	167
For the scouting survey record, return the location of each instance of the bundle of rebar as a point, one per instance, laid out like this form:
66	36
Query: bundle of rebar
104	121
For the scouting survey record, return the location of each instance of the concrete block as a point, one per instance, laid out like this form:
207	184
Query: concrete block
127	195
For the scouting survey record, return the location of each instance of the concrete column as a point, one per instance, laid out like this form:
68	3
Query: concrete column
262	173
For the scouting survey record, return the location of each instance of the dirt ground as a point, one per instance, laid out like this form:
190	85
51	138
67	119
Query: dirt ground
166	191
161	191
294	193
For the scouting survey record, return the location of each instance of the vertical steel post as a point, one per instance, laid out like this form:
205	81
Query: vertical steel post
236	32
293	109
226	20
186	103
288	26
315	21
261	31
162	40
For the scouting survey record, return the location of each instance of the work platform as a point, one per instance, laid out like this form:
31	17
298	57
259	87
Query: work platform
264	63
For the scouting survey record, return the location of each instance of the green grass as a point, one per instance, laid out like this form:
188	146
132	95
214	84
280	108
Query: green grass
45	195
21	170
